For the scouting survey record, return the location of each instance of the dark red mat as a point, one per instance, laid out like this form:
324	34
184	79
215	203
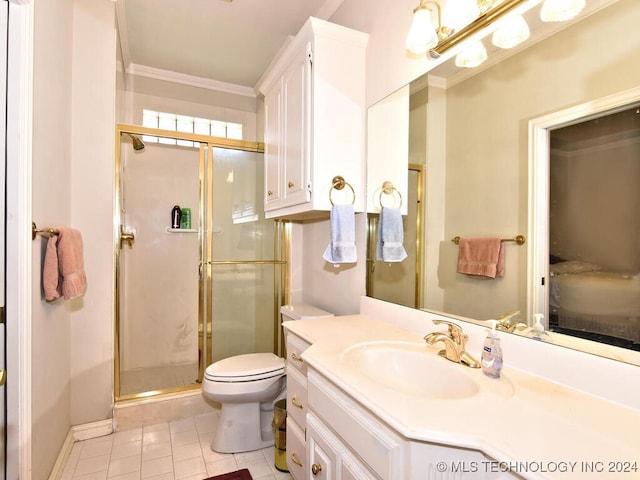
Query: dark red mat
239	475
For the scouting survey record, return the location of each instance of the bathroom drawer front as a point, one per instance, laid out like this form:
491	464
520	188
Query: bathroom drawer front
378	446
296	396
296	451
295	347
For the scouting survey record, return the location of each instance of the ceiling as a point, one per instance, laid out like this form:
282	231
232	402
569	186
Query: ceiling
229	43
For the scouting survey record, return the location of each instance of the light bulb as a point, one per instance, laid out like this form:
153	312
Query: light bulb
457	14
473	55
422	35
560	10
511	32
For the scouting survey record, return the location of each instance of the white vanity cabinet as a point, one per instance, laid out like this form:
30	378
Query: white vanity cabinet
315	121
296	406
346	441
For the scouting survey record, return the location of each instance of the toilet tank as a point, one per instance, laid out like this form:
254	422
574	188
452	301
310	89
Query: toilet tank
302	311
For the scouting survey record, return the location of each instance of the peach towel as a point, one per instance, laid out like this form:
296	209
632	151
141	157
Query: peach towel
63	273
481	257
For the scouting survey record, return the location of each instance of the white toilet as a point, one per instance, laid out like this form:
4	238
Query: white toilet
247	386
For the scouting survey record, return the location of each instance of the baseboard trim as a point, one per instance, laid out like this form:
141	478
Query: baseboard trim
77	433
92	430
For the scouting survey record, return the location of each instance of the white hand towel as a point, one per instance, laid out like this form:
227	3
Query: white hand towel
342	247
390	236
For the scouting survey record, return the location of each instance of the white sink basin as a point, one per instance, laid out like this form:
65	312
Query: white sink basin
412	368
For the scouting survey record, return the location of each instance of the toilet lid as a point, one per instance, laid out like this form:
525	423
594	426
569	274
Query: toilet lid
246	368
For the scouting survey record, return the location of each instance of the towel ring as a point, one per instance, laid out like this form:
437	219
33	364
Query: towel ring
388	189
338	183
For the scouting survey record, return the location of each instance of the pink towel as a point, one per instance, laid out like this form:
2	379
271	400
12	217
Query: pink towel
481	257
63	273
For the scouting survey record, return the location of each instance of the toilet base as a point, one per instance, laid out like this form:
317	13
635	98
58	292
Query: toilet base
237	432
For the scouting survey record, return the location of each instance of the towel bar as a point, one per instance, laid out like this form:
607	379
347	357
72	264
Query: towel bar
35	231
338	183
388	189
519	239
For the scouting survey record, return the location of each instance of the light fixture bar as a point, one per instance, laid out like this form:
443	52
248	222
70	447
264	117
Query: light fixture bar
478	24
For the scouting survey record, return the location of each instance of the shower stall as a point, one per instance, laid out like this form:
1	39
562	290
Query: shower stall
188	296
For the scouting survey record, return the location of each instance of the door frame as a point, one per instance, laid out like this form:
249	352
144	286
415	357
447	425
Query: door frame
539	155
18	237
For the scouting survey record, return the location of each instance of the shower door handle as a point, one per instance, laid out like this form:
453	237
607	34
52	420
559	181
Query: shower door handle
128	237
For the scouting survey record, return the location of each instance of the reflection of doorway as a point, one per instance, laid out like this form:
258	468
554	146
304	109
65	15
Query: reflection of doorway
400	282
585	227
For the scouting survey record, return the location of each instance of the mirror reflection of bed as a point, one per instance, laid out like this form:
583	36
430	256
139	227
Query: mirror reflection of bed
594	229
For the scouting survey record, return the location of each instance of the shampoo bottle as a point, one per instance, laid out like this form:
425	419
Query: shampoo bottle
537	331
176	217
492	353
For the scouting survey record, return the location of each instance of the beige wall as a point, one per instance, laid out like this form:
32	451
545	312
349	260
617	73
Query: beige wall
73	112
52	167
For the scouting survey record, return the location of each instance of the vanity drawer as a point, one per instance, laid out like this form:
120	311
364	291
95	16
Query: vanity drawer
296	396
295	347
296	451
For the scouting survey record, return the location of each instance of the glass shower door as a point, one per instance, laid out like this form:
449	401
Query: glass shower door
246	267
159	277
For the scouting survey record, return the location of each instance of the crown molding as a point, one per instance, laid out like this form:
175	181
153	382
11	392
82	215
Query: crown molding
190	80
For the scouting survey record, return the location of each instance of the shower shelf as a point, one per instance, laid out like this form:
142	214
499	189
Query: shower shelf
181	230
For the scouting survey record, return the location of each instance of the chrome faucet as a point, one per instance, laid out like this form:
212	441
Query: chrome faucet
454	344
509	322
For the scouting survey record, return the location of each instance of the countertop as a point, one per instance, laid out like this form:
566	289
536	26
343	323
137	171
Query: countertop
540	429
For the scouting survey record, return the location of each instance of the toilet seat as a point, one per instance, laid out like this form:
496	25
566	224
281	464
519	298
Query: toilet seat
249	367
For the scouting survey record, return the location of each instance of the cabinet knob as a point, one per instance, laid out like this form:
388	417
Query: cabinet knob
294	459
316	469
291	184
296	403
269	193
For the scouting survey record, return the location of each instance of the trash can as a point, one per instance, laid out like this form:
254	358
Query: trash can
280	434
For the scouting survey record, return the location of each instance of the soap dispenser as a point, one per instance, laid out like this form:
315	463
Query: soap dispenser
537	331
492	353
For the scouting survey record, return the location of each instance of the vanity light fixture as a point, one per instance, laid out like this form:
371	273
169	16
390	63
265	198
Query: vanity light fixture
436	29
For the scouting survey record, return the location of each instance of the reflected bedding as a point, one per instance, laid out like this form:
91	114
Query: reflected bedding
597	301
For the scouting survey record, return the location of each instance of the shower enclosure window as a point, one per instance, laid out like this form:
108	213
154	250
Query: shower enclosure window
187	297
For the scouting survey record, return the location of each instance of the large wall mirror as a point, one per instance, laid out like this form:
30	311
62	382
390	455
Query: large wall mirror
474	142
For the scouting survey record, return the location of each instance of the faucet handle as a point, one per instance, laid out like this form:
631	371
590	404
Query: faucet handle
455	331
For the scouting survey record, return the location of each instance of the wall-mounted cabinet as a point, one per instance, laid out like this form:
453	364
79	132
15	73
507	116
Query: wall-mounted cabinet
315	121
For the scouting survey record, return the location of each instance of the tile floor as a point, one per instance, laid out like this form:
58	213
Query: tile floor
178	450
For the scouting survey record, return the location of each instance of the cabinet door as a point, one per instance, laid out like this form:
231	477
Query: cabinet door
273	171
352	469
296	128
322	448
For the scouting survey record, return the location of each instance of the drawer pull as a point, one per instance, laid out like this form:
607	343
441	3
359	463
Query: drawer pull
296	403
269	193
291	184
296	357
316	469
294	459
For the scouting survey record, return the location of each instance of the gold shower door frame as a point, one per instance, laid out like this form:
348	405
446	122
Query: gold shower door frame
205	243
